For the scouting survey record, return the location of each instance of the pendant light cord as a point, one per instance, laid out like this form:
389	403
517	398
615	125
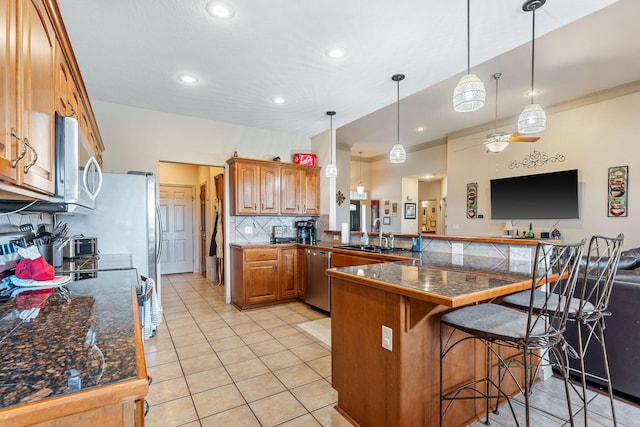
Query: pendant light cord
533	50
398	111
361	167
496	76
468	38
331	137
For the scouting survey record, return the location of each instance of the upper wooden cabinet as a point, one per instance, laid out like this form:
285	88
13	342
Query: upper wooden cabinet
273	188
39	77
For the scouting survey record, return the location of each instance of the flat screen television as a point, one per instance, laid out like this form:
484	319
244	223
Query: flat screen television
543	196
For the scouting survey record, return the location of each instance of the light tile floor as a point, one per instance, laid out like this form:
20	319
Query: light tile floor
213	365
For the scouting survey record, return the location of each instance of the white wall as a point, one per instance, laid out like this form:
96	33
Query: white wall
592	138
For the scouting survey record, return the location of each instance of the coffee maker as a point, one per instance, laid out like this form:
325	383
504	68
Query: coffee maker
306	232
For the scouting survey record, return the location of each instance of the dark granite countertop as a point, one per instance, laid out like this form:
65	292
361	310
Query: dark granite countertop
445	279
37	357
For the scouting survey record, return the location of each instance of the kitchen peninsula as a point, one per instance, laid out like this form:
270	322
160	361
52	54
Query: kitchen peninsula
400	387
75	358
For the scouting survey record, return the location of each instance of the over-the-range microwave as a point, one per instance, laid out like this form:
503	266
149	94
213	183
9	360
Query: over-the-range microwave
78	177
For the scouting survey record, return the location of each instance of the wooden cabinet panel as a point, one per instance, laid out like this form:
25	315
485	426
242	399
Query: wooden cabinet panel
344	260
38	103
291	191
260	254
288	273
245	181
301	263
311	192
261	281
8	90
269	190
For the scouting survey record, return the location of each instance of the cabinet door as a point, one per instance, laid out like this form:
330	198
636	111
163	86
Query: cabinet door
288	273
63	80
301	269
8	90
291	190
269	190
261	281
311	190
38	102
247	188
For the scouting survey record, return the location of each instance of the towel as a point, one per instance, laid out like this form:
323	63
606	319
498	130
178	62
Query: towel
152	311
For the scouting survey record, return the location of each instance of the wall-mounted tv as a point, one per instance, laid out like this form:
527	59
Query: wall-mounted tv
543	196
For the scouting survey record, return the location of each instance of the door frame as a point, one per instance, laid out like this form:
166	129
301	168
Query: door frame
194	220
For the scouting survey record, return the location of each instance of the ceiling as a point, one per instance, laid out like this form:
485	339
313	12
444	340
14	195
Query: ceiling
131	52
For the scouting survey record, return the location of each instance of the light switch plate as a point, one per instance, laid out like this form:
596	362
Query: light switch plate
387	338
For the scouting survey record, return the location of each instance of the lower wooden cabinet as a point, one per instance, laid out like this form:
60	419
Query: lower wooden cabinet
263	275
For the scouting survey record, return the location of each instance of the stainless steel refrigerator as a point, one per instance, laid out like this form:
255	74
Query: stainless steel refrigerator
125	220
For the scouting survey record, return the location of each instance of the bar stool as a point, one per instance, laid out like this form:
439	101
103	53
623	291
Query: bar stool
531	334
587	309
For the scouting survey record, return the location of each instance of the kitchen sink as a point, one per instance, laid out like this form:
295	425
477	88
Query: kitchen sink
374	249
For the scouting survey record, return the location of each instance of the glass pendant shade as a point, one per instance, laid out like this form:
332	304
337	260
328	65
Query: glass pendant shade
469	95
532	119
496	144
397	154
331	171
360	188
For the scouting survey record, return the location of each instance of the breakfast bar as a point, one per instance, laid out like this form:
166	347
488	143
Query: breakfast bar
400	386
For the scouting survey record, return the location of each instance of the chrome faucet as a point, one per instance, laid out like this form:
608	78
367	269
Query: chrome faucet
377	221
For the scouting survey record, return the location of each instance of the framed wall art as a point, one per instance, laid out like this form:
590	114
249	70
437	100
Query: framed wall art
386	220
409	211
618	190
472	199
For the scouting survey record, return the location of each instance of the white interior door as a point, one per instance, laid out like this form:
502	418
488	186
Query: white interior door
176	210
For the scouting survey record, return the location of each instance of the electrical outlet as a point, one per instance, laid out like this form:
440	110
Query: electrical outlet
387	338
248	229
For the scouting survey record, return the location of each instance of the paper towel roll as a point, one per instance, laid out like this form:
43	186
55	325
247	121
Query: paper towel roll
345	233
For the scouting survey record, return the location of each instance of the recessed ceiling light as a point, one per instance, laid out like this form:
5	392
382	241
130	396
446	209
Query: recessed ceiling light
335	52
188	78
420	129
278	100
534	92
220	9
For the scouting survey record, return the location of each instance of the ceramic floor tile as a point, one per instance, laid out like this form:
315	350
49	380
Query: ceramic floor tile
283	331
259	315
235	355
207	325
255	337
236	417
200	363
295	340
280	360
276	409
217	400
245	328
246	369
297	375
179	314
161	357
206	380
322	366
259	387
194	350
329	417
191	339
165	372
227	343
267	347
626	414
182	321
172	413
306	420
158	345
183	330
164	391
316	395
216	334
272	323
310	352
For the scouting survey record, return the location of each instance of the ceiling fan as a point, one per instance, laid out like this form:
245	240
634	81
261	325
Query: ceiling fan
497	141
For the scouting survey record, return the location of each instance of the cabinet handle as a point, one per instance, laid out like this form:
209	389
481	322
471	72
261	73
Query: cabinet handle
23	153
255	206
73	110
305	208
35	156
262	206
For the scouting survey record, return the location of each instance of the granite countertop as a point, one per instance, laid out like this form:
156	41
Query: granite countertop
37	356
443	278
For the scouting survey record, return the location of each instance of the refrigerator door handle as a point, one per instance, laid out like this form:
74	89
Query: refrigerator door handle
160	232
85	178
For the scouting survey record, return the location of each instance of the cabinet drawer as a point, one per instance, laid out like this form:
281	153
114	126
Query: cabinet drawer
260	254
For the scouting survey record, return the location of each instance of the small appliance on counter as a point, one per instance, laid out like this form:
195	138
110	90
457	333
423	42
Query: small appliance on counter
80	246
306	232
278	235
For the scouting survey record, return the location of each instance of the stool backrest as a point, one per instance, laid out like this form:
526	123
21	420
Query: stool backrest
602	258
555	273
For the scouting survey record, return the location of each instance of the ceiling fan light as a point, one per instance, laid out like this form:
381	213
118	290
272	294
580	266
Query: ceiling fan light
360	188
331	171
469	95
532	119
496	145
397	154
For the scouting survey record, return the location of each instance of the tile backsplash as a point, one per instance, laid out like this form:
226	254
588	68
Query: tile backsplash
257	229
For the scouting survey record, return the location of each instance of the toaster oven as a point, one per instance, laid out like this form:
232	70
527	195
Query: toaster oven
81	246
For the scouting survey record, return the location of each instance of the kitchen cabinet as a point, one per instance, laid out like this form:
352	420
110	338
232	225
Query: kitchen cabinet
262	275
39	77
301	265
348	260
273	188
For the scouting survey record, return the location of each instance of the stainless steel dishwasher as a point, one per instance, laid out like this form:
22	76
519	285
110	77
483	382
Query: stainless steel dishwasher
318	289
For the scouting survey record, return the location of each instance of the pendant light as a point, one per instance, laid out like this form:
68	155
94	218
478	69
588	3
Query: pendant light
331	171
532	119
360	187
497	141
398	154
469	94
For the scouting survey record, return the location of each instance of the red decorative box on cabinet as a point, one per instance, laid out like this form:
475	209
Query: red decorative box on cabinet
305	159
